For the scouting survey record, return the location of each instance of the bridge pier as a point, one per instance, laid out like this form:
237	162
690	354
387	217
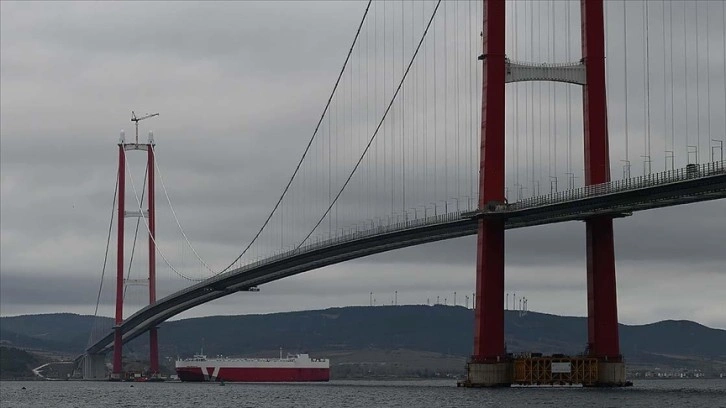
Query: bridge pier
94	367
488	366
611	374
602	301
488	375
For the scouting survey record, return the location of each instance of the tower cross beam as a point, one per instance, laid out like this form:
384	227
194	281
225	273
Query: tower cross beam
573	73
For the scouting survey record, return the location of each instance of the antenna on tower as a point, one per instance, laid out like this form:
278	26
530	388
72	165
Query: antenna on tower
136	120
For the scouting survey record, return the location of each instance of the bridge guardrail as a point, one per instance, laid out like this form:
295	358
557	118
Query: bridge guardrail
580	193
630	184
378	229
658	179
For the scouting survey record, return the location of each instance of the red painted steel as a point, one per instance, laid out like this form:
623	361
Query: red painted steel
117	343
152	226
597	153
153	337
489	313
233	374
602	302
154	350
602	305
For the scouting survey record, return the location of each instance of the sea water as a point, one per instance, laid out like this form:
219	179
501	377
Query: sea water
438	393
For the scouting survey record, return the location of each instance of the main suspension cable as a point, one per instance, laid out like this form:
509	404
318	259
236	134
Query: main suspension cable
310	142
105	257
153	239
173	212
378	127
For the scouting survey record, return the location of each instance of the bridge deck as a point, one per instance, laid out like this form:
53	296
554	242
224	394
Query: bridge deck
692	184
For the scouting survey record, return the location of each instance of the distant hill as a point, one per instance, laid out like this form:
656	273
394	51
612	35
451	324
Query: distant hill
17	364
427	329
60	332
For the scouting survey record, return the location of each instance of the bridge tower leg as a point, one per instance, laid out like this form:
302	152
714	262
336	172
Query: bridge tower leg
118	335
488	366
117	340
153	337
602	309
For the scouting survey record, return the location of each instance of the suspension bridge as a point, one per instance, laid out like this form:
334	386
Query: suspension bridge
450	119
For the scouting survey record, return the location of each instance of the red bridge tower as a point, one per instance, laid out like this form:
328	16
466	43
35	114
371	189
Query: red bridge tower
123	147
489	364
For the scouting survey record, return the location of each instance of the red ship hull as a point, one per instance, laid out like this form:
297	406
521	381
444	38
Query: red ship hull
247	374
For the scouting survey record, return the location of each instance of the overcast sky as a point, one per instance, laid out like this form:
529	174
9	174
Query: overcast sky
240	87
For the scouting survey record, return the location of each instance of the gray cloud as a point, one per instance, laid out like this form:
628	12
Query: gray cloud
240	87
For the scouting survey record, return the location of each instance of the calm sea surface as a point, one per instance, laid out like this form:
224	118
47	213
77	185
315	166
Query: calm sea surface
669	393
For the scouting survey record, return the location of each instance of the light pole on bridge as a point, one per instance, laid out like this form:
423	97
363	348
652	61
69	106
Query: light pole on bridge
692	150
626	170
446	205
670	156
425	208
646	164
571	177
719	147
457	203
468	203
553	184
372	222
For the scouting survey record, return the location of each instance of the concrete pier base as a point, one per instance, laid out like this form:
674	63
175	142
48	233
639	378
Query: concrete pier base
94	367
539	371
485	375
611	375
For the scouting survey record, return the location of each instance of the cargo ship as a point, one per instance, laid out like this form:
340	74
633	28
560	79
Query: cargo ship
293	368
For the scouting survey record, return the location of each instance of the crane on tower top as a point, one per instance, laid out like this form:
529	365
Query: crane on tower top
136	121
